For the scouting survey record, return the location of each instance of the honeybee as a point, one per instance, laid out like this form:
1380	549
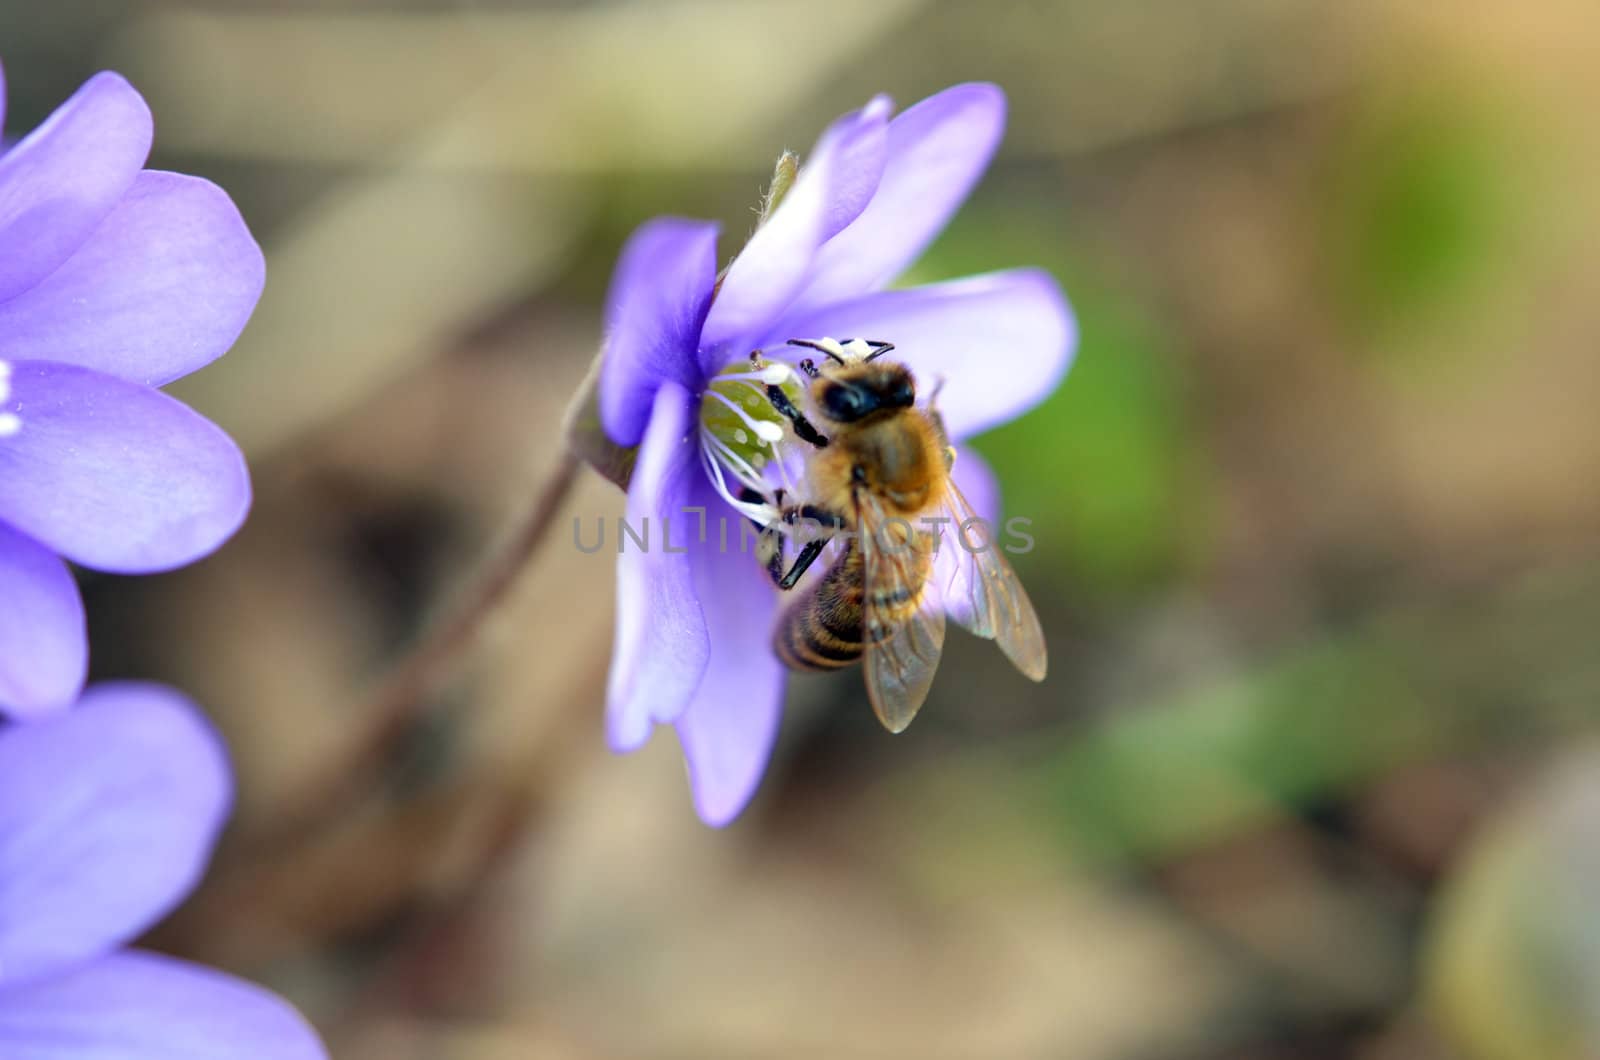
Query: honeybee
881	467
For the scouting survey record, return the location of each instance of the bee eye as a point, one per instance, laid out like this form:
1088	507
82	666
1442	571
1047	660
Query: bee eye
846	403
902	396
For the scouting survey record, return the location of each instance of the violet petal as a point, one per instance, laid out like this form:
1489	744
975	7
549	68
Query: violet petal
108	813
116	476
43	647
162	287
1001	341
937	151
836	182
61	180
655	310
952	563
730	725
976	480
143	1006
661	638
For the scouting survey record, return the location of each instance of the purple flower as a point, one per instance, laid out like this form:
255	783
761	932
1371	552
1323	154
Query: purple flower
114	280
693	633
108	813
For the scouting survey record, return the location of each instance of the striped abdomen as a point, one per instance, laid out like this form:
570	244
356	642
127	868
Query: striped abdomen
822	629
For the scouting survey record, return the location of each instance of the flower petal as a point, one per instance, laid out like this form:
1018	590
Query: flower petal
161	288
142	1006
62	179
44	651
657	305
936	152
108	813
835	184
952	566
113	475
730	725
1001	341
661	640
975	479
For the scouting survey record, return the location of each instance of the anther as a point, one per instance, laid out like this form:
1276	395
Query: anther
775	374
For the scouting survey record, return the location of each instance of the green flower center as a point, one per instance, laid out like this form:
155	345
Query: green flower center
741	433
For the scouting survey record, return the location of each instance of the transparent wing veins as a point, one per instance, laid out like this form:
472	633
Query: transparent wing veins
902	653
983	594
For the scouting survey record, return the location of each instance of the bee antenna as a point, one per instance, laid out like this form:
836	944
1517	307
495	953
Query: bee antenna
879	348
813	344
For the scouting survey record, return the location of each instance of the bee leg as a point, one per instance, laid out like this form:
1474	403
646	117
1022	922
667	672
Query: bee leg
751	496
754	496
827	521
802	563
810	511
802	426
809	367
769	546
772	542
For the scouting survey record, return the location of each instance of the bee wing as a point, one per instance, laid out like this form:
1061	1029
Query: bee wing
982	592
902	648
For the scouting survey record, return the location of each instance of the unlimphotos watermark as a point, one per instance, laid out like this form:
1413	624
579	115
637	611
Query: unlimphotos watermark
894	534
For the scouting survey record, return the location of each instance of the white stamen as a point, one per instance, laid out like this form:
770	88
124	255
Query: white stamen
735	472
857	349
764	513
736	463
772	373
731	460
770	434
776	373
766	430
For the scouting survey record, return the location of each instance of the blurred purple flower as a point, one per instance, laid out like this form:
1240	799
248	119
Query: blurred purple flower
108	813
693	629
114	280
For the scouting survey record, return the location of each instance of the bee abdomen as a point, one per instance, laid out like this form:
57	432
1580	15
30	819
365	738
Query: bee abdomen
822	630
804	643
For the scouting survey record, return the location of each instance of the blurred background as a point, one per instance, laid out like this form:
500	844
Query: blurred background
1317	769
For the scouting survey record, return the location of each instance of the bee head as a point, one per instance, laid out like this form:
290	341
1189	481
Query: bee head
853	392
